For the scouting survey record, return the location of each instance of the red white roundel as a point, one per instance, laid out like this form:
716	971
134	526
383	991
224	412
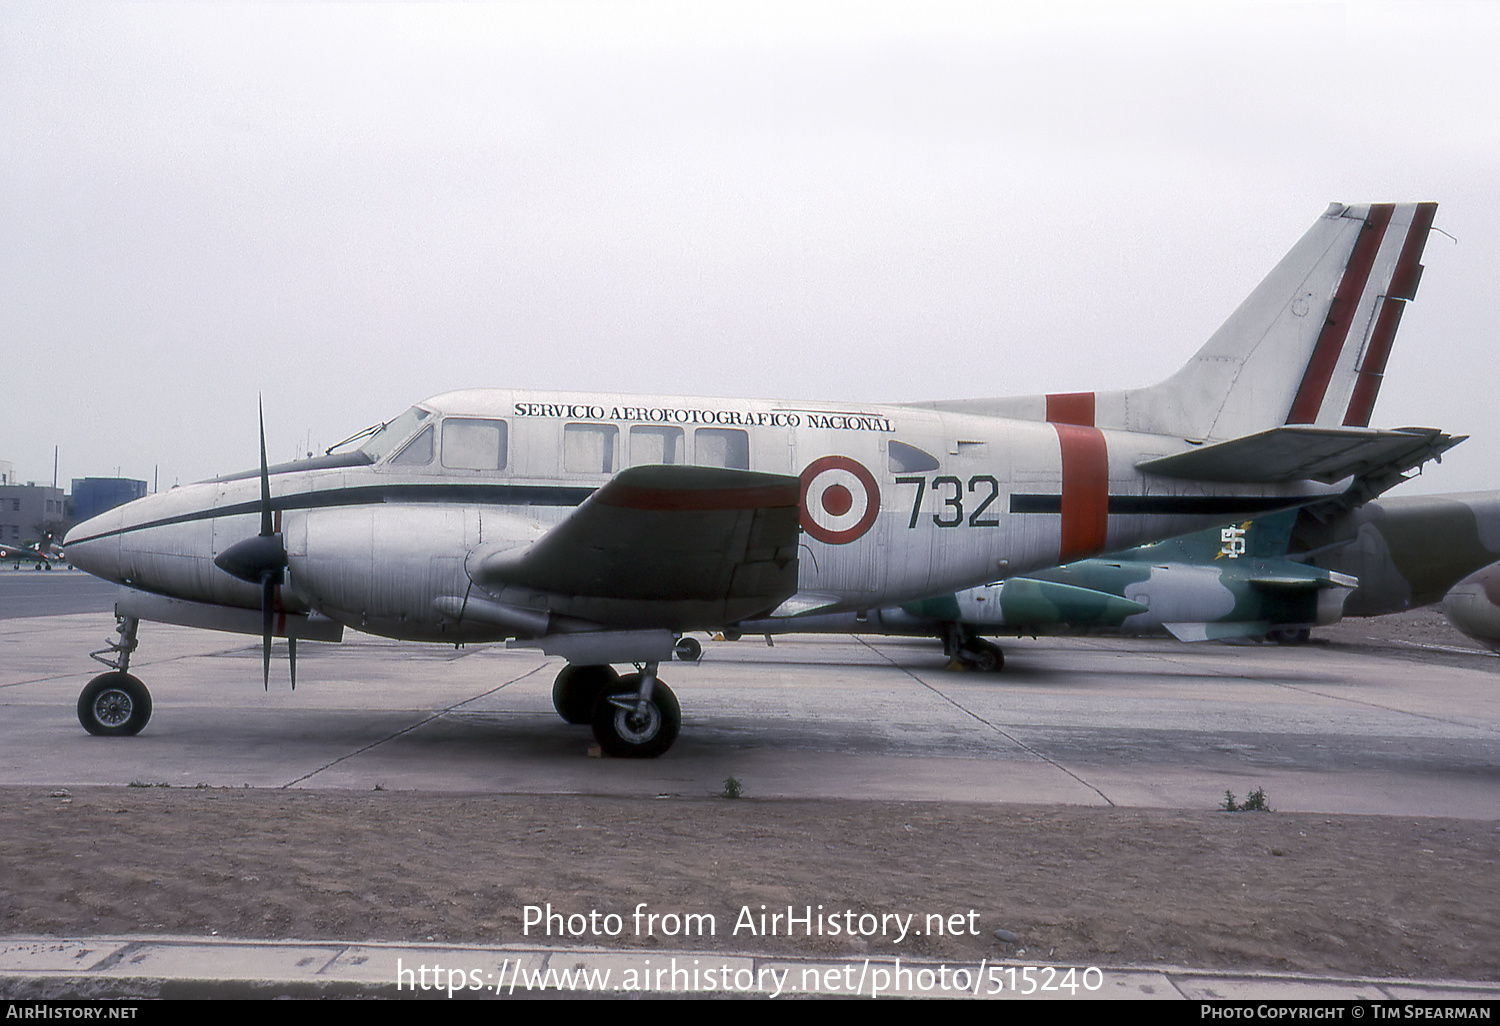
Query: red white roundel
840	500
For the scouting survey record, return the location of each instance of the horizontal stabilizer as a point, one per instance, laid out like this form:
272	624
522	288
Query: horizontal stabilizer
1298	452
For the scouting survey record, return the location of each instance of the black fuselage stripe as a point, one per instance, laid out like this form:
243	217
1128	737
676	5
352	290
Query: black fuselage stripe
374	495
1166	505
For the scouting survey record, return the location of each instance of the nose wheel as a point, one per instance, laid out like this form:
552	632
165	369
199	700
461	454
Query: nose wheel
115	704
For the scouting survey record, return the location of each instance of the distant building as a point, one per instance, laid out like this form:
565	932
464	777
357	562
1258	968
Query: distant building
7	473
25	511
94	495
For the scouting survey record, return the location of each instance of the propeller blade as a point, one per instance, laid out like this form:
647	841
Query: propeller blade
291	647
265	476
267	597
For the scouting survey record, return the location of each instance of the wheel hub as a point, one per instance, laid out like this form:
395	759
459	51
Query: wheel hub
113	708
638	726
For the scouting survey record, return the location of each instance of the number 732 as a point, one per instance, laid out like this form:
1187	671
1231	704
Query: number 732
952	492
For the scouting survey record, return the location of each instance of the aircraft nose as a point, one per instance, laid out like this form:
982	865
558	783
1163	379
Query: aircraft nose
94	546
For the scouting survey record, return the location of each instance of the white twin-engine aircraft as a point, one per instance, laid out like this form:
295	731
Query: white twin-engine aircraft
599	528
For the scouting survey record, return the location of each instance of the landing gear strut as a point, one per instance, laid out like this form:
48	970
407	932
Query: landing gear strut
973	652
637	717
115	704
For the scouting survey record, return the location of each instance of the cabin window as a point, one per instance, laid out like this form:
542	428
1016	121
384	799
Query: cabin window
589	448
417	452
908	459
474	444
651	445
722	447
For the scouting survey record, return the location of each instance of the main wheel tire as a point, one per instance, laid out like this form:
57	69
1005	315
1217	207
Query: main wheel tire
1290	635
576	688
114	704
627	734
986	657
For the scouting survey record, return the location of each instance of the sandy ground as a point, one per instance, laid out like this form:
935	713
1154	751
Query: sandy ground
1328	894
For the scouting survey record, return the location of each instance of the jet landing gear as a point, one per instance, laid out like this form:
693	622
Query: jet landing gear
115	704
971	652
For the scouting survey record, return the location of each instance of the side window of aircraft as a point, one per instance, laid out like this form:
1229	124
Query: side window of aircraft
589	448
474	444
722	447
908	459
651	445
418	451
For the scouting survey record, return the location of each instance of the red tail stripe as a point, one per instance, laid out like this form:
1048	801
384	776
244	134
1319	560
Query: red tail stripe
1408	267
1085	491
1325	355
1372	373
1071	408
1403	287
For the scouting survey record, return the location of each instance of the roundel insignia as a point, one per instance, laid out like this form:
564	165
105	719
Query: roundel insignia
840	500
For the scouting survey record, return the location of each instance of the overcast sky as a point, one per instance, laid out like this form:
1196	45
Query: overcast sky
351	207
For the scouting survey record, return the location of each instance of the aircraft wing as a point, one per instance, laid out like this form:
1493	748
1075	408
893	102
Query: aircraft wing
687	544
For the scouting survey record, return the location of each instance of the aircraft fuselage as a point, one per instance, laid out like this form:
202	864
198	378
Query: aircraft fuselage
897	503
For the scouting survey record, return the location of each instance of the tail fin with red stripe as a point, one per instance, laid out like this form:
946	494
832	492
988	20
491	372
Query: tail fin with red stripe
1307	347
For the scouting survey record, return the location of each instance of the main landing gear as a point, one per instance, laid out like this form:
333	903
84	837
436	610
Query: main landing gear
970	651
634	717
115	704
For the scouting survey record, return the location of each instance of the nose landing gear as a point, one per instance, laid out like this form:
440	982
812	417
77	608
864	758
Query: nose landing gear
115	704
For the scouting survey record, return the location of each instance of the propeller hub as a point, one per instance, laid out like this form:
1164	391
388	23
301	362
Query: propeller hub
252	559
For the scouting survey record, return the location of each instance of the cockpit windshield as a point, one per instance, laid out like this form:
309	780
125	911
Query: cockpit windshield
394	433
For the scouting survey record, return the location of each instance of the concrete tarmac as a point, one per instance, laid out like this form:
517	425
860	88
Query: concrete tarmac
1335	727
1340	726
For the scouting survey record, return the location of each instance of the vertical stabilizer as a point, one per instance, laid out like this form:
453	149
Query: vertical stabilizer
1307	346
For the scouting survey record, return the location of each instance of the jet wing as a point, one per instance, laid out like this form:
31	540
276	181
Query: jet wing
666	545
1292	453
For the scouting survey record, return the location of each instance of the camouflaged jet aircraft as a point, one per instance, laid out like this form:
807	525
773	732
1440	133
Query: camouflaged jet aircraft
1473	606
598	528
1276	577
1221	583
1407	551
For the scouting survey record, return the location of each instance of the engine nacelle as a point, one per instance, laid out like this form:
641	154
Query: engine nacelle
396	571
